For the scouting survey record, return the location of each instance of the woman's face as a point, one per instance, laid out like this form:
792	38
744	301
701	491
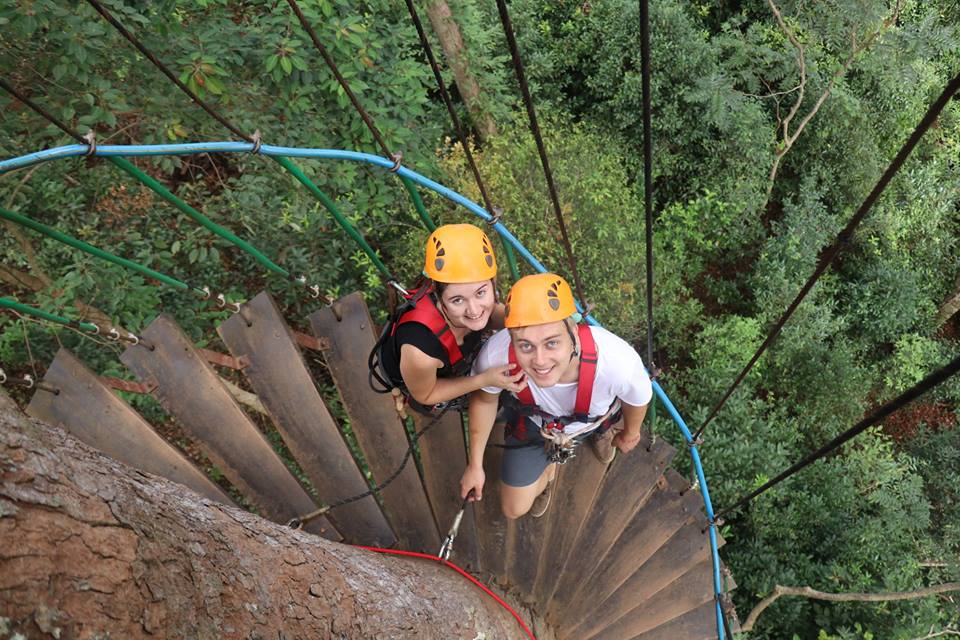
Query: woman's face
468	305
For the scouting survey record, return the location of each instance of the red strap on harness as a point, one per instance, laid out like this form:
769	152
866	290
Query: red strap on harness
425	312
585	378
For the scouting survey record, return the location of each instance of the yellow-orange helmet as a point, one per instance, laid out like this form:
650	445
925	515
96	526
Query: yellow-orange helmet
539	299
458	253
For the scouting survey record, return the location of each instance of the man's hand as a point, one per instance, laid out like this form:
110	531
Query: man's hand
626	440
472	480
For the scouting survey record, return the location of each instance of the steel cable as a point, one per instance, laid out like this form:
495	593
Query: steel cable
937	377
845	236
541	148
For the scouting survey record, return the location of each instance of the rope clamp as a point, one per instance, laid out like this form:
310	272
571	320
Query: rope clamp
495	218
28	381
655	371
223	304
717	522
297	523
257	141
447	547
3	376
397	159
113	335
396	285
696	442
206	292
91	139
314	290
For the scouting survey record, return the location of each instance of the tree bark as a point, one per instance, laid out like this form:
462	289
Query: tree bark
90	547
451	40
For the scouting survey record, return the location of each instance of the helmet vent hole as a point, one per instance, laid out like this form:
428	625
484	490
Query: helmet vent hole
489	260
554	304
438	263
442	252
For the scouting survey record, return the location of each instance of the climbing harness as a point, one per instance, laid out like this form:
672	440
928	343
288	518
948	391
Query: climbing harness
447	547
560	447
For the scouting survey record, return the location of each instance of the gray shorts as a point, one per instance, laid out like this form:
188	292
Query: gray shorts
521	466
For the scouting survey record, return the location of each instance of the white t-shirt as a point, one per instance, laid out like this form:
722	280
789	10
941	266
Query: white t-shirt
620	374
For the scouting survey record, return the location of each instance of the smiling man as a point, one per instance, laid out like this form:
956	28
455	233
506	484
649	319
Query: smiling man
580	379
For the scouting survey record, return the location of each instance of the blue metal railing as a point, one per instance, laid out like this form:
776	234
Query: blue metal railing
75	150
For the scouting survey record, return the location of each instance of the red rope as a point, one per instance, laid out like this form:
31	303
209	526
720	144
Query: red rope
466	575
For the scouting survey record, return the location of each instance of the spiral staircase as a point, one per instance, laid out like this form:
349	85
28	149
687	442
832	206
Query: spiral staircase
622	553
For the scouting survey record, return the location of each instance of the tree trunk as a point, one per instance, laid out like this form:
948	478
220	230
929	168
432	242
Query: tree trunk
448	32
90	547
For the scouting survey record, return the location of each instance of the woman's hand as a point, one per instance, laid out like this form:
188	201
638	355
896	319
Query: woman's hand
472	480
500	376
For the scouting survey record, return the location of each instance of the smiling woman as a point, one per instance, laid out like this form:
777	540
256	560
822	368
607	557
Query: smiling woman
427	349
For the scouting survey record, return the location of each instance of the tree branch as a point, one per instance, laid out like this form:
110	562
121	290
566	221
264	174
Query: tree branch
807	592
856	48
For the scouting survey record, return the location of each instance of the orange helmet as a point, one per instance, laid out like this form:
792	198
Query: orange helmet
458	253
539	299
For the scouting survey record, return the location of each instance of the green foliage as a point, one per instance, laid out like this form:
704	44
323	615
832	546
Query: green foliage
732	246
603	218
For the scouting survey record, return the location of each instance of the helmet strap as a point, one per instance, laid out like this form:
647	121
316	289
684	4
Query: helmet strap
573	339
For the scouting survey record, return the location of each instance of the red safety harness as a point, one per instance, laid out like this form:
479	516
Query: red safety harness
425	312
527	406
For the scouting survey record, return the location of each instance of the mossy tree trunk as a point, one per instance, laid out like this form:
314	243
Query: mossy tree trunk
90	547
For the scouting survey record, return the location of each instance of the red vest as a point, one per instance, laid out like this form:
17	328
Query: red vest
425	312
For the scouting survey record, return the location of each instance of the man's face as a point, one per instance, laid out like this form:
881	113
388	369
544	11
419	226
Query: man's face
544	353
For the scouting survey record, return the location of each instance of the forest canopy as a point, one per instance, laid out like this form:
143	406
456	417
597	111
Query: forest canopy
771	122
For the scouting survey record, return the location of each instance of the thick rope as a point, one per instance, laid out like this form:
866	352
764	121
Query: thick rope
845	237
937	377
541	148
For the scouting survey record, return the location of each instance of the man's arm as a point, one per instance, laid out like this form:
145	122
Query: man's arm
633	417
482	415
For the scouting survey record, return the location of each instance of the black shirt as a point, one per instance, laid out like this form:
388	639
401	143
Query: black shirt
422	338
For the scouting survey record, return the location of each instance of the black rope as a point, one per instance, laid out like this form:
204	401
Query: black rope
42	112
535	129
343	82
931	381
457	124
830	253
647	167
163	69
298	522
